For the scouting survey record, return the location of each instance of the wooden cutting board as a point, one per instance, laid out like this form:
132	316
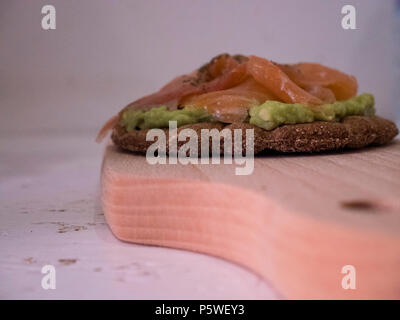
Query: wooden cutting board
296	221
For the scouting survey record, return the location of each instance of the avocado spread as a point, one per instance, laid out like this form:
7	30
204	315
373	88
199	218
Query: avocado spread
271	114
159	117
268	115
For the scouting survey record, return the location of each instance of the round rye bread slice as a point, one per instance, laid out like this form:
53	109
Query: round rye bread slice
351	132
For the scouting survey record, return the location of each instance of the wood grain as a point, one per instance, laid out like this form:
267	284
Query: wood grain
296	221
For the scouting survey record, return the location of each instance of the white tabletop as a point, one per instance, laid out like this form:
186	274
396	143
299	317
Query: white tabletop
50	213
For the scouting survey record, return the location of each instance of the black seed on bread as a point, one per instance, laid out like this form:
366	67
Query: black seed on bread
352	132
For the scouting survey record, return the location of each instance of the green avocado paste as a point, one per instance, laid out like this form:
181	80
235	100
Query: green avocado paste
271	114
268	115
159	117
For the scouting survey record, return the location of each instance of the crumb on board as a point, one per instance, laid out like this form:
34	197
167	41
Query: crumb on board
67	262
30	260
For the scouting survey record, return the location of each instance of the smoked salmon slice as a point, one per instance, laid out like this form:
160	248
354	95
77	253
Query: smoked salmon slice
273	78
307	83
232	105
221	73
314	75
106	128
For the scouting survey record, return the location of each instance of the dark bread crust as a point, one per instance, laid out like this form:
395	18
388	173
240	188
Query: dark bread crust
352	132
